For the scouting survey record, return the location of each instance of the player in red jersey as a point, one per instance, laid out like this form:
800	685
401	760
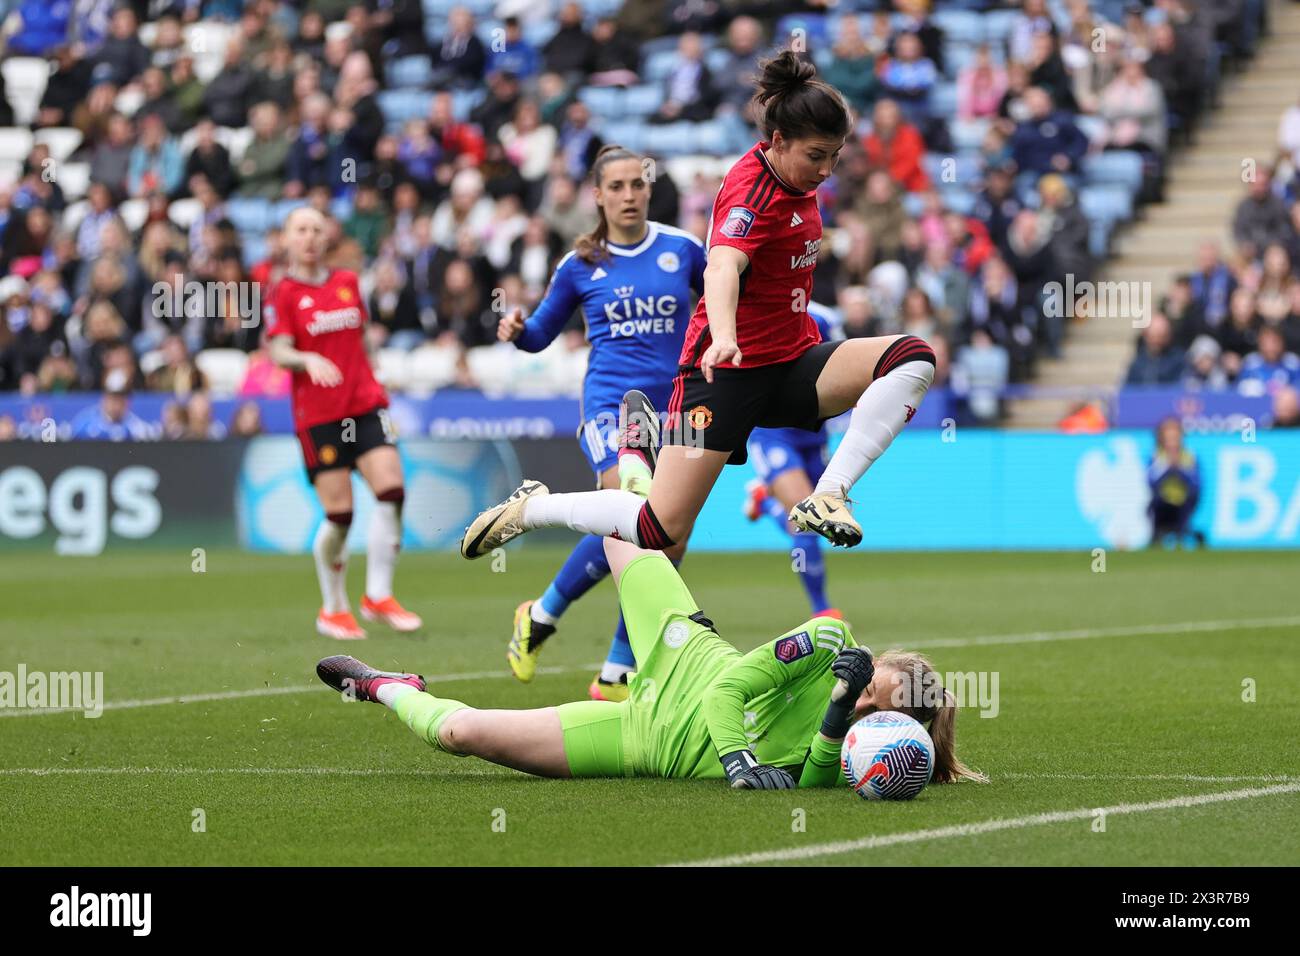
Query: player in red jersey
340	411
753	355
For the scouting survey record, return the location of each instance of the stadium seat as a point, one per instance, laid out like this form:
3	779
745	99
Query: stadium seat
1111	203
409	72
129	101
968	134
657	66
463	101
943	99
393	369
961	26
1094	127
254	248
249	215
431	367
997	26
76	211
492	366
63	141
398	106
959	198
236	140
75	179
15	143
151	362
629	133
643	100
134	212
223	368
710	138
1121	167
25	81
11	171
184	212
606	102
282	209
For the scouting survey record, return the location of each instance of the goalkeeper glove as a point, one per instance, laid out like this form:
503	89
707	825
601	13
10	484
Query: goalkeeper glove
854	668
744	772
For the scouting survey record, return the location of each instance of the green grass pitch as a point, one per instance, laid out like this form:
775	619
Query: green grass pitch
1100	705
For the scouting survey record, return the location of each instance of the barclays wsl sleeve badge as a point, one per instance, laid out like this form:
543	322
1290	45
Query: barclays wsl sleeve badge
791	649
738	222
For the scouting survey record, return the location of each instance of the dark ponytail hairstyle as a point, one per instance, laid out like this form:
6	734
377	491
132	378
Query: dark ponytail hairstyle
590	246
793	100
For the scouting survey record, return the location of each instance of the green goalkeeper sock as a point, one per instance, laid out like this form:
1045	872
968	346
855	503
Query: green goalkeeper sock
634	475
424	714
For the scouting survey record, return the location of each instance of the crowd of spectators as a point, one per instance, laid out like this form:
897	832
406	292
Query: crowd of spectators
1233	322
453	216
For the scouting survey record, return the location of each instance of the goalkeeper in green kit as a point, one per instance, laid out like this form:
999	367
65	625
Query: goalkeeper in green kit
772	719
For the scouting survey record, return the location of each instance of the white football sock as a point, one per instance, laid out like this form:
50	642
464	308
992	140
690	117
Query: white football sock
613	673
539	614
330	551
606	512
383	541
880	415
388	693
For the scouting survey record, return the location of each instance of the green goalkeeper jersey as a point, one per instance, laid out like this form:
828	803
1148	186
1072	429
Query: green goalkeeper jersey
694	697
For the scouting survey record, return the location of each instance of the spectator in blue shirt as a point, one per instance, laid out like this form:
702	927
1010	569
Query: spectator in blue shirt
112	419
44	27
1269	368
1048	141
516	55
1175	481
1212	284
1157	361
908	77
156	164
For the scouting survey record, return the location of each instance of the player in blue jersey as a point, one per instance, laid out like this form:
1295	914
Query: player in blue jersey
789	462
633	281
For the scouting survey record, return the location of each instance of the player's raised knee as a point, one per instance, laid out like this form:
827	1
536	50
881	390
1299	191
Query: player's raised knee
905	349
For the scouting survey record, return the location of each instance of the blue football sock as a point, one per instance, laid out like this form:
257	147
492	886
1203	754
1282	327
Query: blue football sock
807	553
620	650
620	656
585	567
773	508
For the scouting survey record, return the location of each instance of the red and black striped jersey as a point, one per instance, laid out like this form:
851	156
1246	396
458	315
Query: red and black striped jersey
780	230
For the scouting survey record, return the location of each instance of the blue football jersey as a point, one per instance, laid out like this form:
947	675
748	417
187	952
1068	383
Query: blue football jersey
797	437
637	304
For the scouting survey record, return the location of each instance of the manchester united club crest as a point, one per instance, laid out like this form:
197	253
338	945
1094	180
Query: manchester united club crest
700	417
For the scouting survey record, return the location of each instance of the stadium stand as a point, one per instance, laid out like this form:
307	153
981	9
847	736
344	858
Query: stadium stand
999	149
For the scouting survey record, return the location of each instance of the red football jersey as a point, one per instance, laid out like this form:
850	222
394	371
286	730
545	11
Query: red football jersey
780	230
329	319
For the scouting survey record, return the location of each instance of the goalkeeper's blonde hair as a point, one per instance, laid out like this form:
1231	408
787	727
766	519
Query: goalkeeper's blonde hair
941	720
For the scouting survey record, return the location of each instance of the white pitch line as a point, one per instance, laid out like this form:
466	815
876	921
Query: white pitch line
1033	637
1137	630
416	772
266	692
989	826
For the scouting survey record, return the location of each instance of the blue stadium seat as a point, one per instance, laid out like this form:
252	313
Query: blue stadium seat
629	133
604	101
968	134
717	59
1118	167
539	34
943	99
658	65
711	139
1099	233
642	100
249	215
409	72
671	139
283	208
462	101
398	106
958	198
1094	127
961	26
1111	203
997	25
253	247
